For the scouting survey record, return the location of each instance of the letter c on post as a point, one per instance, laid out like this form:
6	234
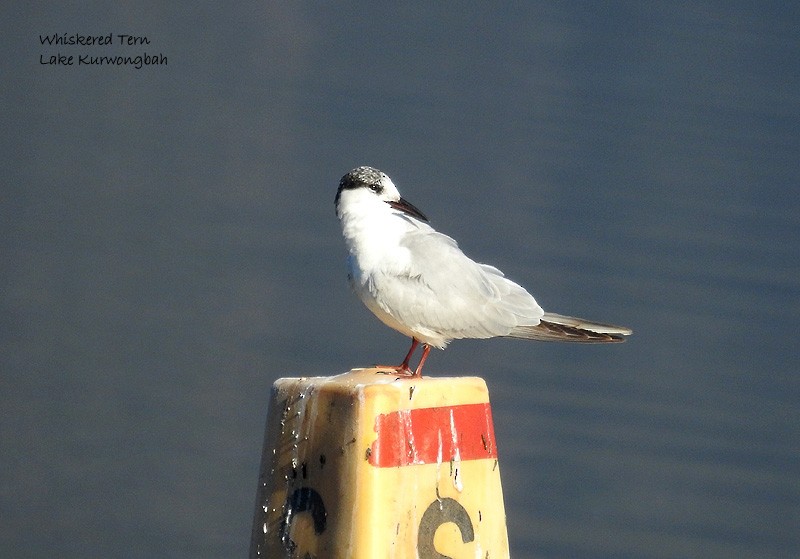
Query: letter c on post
302	499
441	512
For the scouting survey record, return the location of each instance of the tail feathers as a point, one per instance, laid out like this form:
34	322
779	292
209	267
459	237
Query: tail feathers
559	328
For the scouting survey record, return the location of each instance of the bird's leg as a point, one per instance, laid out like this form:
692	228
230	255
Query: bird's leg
403	368
425	351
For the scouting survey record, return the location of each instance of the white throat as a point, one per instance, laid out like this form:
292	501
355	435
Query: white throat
373	231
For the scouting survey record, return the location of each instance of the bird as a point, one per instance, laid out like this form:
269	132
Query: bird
419	282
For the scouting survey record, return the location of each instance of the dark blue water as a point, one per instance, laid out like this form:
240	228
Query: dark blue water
170	249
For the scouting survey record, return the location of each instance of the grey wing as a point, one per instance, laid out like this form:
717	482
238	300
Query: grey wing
446	292
560	328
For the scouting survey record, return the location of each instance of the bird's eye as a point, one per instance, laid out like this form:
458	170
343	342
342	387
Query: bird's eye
376	188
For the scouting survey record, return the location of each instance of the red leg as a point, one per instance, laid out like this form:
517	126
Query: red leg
403	368
425	351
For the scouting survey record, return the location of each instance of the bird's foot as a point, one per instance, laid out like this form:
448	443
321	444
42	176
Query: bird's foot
401	371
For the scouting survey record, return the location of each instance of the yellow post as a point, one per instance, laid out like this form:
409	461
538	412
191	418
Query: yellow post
369	465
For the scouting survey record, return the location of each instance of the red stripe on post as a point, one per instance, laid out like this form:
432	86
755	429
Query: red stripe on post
433	435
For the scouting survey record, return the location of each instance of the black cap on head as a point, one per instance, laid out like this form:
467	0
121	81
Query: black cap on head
358	177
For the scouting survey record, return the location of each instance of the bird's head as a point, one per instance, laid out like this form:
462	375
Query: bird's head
366	190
